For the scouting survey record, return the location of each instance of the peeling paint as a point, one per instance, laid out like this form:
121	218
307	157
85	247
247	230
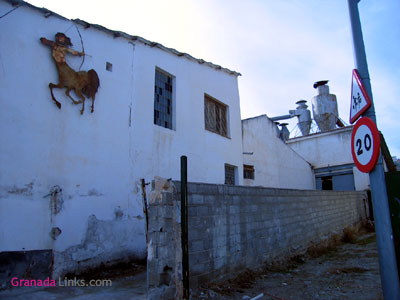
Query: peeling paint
56	199
27	190
92	193
160	185
118	213
55	232
105	241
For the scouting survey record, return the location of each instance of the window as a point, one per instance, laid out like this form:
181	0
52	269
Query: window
230	177
248	172
163	99
215	115
326	183
337	178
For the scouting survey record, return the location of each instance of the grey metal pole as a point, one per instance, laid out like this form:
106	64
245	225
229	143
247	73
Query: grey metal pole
383	227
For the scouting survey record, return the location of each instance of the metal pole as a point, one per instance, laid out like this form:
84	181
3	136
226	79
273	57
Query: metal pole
145	208
184	226
383	227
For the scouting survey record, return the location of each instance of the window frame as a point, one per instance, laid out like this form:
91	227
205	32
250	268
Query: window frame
234	170
171	106
222	108
248	168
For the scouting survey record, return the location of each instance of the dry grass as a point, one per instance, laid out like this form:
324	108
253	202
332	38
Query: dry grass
326	247
244	280
348	270
247	278
349	235
368	240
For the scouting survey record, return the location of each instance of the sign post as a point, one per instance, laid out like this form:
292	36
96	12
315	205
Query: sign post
383	227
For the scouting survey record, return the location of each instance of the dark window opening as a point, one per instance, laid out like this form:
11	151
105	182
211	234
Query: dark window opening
327	183
248	172
229	174
109	66
162	100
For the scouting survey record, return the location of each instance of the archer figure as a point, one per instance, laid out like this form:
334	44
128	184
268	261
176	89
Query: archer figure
81	82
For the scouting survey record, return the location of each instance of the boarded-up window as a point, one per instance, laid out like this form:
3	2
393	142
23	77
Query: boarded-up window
248	172
163	100
229	174
215	115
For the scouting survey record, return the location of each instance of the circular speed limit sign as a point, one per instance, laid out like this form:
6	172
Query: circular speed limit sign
365	144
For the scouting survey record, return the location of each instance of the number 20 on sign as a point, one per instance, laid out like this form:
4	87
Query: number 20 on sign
365	145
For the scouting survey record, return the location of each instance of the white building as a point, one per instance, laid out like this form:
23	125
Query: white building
268	161
70	184
321	160
329	153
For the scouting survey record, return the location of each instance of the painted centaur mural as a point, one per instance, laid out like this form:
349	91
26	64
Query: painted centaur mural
82	82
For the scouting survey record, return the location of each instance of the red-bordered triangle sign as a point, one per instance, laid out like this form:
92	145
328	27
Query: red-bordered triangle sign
360	100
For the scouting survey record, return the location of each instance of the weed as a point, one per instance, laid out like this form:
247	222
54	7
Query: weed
349	236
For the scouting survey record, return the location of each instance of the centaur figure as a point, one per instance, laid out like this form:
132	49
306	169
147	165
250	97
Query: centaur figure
81	82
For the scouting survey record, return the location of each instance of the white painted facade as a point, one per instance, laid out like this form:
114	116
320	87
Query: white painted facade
275	164
98	159
330	149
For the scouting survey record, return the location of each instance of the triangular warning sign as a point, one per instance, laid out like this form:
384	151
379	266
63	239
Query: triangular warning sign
360	100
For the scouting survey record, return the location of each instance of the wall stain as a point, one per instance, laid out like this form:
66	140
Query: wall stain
27	190
92	193
105	241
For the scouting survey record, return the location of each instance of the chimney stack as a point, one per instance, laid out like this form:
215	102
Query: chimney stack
324	106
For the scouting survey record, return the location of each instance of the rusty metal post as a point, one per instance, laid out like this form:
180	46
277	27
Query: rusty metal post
184	227
145	207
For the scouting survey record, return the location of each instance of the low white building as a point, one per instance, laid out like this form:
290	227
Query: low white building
329	154
71	183
268	161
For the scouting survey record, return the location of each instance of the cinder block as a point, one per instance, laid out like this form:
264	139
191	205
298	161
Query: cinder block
192	211
196	199
200	257
167	198
221	241
202	210
220	262
199	268
208	244
211	200
233	209
196	246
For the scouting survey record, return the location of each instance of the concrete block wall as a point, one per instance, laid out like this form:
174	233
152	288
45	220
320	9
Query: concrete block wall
164	251
236	227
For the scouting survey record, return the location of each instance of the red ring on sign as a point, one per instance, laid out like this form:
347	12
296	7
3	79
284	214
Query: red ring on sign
376	144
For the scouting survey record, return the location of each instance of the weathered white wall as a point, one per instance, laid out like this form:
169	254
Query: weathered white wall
207	152
275	164
97	159
361	180
331	148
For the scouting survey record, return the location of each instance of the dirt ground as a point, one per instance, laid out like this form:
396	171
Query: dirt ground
347	270
128	282
337	270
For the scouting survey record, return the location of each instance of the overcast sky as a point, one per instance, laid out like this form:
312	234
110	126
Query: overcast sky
280	47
